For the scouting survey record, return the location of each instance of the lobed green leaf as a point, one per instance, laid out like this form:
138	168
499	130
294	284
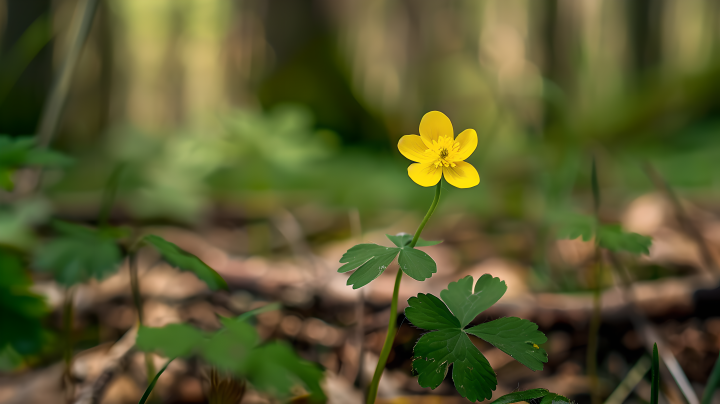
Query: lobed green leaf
428	312
614	238
516	337
450	344
272	368
371	260
465	304
416	264
79	254
185	261
434	352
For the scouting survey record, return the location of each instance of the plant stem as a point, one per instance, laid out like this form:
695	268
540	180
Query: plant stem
68	314
137	301
392	324
595	321
434	204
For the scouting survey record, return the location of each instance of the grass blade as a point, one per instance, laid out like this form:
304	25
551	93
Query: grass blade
634	376
255	312
655	387
712	383
151	386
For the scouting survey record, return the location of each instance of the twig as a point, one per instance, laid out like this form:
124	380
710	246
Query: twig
119	355
50	118
631	380
651	336
709	266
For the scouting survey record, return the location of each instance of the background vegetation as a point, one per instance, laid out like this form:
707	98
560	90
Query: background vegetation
261	136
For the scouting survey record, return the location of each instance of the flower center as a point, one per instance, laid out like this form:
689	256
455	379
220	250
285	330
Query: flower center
443	151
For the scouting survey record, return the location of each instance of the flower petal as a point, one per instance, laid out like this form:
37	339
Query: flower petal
468	142
433	125
463	175
425	174
412	147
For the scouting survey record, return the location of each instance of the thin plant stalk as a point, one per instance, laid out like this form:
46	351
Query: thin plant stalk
595	322
68	314
137	301
392	324
596	276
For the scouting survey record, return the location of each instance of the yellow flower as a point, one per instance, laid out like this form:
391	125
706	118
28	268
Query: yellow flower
437	153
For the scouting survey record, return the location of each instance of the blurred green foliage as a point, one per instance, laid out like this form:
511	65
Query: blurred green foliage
79	253
185	261
271	367
21	152
21	311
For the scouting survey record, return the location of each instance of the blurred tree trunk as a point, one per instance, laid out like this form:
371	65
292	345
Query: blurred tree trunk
645	31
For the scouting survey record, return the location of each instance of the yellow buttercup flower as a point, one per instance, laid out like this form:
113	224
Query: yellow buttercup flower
437	153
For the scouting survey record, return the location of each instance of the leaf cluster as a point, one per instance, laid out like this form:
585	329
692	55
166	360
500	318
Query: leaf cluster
449	343
80	253
271	367
21	311
371	260
20	152
608	236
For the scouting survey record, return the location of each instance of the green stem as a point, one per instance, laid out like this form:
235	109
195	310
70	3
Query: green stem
137	301
392	324
68	314
595	322
434	204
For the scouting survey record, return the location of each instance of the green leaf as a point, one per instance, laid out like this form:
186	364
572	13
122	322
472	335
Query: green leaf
434	352
574	226
516	337
173	340
465	304
21	311
450	345
275	368
614	238
403	239
78	254
185	261
518	396
21	151
553	398
417	264
229	348
371	260
428	312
